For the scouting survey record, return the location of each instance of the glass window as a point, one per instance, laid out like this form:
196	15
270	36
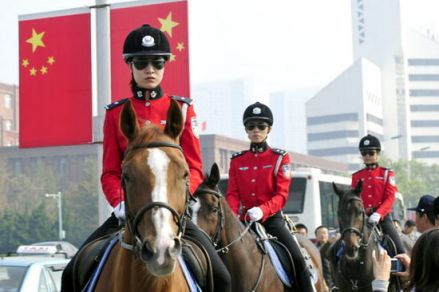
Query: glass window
8	101
222	185
329	204
8	125
11	278
296	198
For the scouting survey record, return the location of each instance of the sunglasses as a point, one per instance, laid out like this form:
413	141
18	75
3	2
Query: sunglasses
251	127
368	152
143	63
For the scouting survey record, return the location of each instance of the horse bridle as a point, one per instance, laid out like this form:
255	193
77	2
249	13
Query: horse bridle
216	236
133	222
217	193
357	231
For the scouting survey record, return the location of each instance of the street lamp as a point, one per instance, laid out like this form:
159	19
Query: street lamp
58	196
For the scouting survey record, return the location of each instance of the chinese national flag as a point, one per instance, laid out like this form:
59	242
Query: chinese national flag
55	81
172	19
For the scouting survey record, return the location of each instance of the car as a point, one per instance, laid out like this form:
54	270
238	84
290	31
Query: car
22	273
61	246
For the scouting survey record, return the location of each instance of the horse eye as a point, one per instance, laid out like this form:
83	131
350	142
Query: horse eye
214	209
125	178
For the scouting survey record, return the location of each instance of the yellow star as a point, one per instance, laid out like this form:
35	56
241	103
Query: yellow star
180	47
36	40
33	71
172	58
25	63
51	60
43	70
168	24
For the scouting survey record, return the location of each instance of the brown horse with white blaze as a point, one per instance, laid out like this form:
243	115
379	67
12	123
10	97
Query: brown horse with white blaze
155	181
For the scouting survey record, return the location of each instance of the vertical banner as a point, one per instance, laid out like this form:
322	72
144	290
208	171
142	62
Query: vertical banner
55	80
169	17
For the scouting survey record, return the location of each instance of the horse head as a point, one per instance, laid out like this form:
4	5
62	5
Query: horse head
352	220
207	212
155	180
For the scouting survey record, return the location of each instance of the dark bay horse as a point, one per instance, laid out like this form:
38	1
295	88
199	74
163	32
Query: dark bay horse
155	182
351	256
251	270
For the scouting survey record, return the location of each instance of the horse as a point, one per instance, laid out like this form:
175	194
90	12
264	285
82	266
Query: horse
250	268
155	183
351	256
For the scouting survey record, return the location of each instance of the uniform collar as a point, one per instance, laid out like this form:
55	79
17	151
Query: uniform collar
258	147
372	166
142	94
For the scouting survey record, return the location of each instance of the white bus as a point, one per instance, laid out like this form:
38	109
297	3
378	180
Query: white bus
312	200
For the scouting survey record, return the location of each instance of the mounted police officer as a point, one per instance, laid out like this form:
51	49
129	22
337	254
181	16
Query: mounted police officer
259	180
146	51
378	189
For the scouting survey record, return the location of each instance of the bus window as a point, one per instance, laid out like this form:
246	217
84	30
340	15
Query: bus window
329	204
296	197
222	185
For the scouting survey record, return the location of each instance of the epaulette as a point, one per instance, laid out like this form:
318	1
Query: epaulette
279	151
116	104
234	155
186	100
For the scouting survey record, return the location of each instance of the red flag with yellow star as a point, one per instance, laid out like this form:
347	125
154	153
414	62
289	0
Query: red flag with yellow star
55	81
169	17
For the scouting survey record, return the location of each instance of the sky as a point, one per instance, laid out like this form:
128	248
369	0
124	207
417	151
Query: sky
279	44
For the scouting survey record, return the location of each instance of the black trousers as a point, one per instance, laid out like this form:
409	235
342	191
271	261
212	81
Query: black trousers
221	276
388	228
275	225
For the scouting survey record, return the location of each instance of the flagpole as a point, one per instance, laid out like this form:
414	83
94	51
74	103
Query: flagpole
103	90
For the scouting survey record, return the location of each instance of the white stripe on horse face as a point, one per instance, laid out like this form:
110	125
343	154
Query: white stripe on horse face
158	162
195	209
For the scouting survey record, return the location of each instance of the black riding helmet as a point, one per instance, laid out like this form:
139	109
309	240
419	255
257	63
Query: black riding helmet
258	111
146	41
369	142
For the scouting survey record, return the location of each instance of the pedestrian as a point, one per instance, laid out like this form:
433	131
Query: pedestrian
425	218
302	229
259	180
146	51
378	189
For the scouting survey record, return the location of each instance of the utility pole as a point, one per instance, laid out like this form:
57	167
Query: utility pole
58	196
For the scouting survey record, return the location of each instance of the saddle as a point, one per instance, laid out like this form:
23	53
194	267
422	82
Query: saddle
89	258
278	253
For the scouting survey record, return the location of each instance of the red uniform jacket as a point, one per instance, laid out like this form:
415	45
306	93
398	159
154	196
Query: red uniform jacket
151	111
259	180
379	189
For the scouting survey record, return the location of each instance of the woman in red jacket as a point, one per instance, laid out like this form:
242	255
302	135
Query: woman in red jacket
259	180
146	51
378	189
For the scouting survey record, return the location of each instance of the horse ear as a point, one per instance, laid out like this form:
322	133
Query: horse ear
358	188
214	175
337	190
174	120
128	121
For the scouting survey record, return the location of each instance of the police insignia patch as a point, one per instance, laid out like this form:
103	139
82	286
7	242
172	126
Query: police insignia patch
148	41
257	111
286	170
366	142
392	181
195	128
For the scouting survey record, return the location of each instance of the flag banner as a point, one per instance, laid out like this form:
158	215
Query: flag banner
169	17
55	80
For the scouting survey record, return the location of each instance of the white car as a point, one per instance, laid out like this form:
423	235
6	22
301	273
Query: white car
31	273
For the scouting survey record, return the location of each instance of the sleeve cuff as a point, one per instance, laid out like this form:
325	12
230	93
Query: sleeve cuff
380	285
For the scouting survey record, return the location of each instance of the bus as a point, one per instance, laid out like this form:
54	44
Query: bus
312	200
